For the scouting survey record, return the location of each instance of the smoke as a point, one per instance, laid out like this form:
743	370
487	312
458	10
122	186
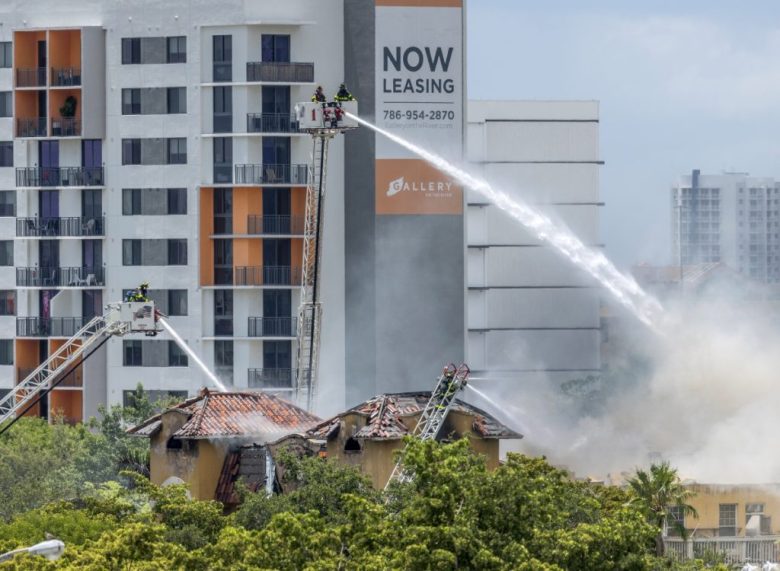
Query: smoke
702	394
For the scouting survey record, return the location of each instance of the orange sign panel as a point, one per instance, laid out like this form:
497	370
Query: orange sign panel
412	186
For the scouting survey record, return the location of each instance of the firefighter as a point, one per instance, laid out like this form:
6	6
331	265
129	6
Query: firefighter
139	293
319	95
343	94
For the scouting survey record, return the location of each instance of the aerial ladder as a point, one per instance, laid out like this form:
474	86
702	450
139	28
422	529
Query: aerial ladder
452	380
323	121
119	319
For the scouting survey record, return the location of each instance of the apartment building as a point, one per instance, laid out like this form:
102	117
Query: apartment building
156	142
731	218
532	316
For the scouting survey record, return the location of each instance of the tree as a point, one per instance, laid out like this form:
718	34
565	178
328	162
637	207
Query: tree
655	491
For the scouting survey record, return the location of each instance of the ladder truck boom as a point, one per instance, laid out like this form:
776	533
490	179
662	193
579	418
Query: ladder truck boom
452	380
323	121
119	319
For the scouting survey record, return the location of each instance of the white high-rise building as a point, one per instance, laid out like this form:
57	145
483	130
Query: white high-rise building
731	218
531	314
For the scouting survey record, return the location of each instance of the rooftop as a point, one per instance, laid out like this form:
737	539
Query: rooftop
384	414
232	415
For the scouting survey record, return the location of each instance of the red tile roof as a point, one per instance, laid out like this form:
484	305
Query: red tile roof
236	414
384	413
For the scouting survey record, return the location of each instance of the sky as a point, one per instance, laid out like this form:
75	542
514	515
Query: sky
681	85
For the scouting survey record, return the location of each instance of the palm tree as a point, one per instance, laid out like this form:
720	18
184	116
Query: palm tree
655	492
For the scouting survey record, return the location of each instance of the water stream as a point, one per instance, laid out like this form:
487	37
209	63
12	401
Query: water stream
624	288
192	355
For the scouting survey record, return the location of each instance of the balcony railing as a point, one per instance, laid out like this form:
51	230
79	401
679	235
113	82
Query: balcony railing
31	127
274	224
266	275
283	72
271	123
72	226
60	277
66	76
31	77
59	176
48	326
65	127
734	550
271	174
275	379
272	327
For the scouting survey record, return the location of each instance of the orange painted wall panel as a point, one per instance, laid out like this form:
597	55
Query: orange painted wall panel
298	201
206	230
57	99
296	253
246	202
68	404
64	48
26	104
26	48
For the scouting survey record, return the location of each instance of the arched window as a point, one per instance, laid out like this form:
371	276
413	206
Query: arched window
352	446
174	444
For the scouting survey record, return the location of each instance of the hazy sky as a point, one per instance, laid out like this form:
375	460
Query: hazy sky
682	85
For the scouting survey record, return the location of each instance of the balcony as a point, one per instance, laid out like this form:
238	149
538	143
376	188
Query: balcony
65	127
274	225
283	72
271	123
266	276
274	379
75	226
48	326
272	174
60	277
74	379
31	127
66	76
31	77
734	550
59	176
272	326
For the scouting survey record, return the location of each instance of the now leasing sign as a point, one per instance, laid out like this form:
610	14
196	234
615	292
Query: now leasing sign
419	96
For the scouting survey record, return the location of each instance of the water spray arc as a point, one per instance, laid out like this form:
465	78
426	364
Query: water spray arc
622	287
192	355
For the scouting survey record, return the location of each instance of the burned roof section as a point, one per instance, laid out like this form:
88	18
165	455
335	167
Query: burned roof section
384	414
233	415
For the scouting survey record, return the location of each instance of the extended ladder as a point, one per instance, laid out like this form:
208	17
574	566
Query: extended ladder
88	337
310	309
452	381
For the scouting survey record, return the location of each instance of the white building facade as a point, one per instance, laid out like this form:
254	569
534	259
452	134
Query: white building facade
531	315
731	218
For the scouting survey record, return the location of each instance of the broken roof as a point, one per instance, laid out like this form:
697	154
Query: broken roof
384	414
233	415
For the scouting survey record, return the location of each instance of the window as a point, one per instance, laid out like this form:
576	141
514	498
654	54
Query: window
223	262
177	100
177	49
6	54
177	252
154	396
727	520
223	159
131	50
223	210
352	446
155	353
131	151
6	351
223	109
177	201
176	355
275	47
131	252
675	521
6	153
222	55
177	302
131	101
7	302
7	203
132	356
757	510
6	104
223	312
6	253
176	151
223	360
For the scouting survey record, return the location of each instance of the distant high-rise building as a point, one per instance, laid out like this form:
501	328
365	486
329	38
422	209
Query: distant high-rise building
731	218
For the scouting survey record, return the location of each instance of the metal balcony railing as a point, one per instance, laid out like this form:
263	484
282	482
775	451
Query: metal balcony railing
272	326
65	127
60	277
272	174
31	127
277	379
274	224
266	275
66	76
48	326
283	72
31	77
59	176
72	226
271	123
